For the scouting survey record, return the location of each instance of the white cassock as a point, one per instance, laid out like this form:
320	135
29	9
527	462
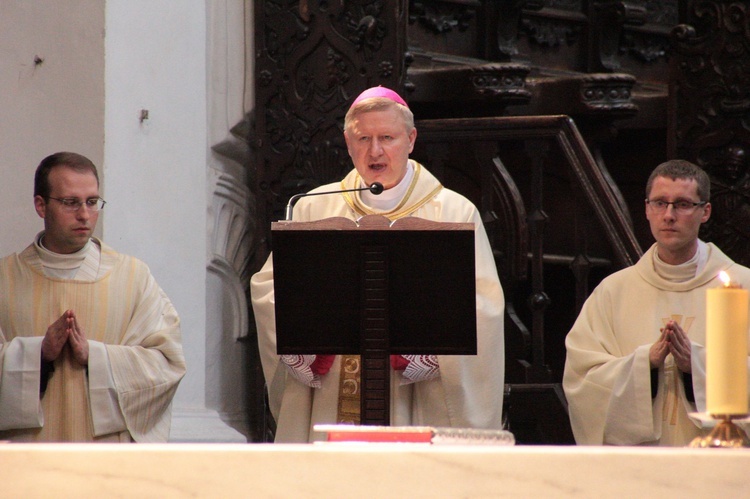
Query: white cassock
607	378
135	352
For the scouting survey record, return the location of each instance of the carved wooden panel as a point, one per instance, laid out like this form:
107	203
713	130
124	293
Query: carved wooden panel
448	27
711	108
312	58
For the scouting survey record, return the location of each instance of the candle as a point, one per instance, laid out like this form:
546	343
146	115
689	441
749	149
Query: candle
726	348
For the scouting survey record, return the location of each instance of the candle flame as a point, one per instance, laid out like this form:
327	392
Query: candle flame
724	278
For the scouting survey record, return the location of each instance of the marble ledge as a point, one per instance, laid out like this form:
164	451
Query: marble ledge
368	470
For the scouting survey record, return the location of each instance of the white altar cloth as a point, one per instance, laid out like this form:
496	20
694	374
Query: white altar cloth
368	470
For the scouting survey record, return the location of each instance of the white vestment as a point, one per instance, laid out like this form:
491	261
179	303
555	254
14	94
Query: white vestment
135	352
607	378
469	391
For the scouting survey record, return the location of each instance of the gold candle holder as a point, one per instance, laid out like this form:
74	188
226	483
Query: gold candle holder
725	434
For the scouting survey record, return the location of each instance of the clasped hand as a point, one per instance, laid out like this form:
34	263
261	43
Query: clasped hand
675	341
65	331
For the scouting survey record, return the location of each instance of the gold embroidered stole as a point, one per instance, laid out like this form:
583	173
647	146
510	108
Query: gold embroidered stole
423	187
349	390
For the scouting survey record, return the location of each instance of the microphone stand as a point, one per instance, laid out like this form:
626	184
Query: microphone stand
376	188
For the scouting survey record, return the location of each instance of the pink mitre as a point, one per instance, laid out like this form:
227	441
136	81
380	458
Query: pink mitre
380	92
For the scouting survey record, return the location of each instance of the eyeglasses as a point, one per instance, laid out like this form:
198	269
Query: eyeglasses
682	207
74	204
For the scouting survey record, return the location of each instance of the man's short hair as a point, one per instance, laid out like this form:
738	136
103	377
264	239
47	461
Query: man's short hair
378	104
679	168
72	160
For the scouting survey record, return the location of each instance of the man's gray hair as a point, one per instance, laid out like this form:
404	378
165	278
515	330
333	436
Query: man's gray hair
378	104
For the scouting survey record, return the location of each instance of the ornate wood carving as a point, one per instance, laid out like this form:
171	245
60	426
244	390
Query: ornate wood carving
711	99
501	23
467	90
649	42
609	20
549	32
442	17
312	59
569	5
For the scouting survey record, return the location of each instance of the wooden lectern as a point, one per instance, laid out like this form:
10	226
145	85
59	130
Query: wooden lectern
374	288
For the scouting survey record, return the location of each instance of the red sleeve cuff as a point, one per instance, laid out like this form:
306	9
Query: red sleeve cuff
398	362
322	364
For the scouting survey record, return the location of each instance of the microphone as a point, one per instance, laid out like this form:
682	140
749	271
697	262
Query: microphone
376	188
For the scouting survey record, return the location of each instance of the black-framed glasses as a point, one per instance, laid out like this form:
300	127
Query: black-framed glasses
74	204
681	206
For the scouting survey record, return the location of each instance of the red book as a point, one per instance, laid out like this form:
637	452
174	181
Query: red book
416	434
365	433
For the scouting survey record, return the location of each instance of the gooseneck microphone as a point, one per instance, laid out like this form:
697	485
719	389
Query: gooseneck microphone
376	188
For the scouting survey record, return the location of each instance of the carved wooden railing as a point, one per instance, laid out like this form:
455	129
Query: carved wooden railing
512	191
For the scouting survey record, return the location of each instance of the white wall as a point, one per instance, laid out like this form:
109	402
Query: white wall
104	62
155	170
52	106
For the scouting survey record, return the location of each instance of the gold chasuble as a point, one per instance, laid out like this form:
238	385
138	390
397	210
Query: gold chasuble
125	315
468	393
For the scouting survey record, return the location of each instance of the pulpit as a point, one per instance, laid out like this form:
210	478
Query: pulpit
374	288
